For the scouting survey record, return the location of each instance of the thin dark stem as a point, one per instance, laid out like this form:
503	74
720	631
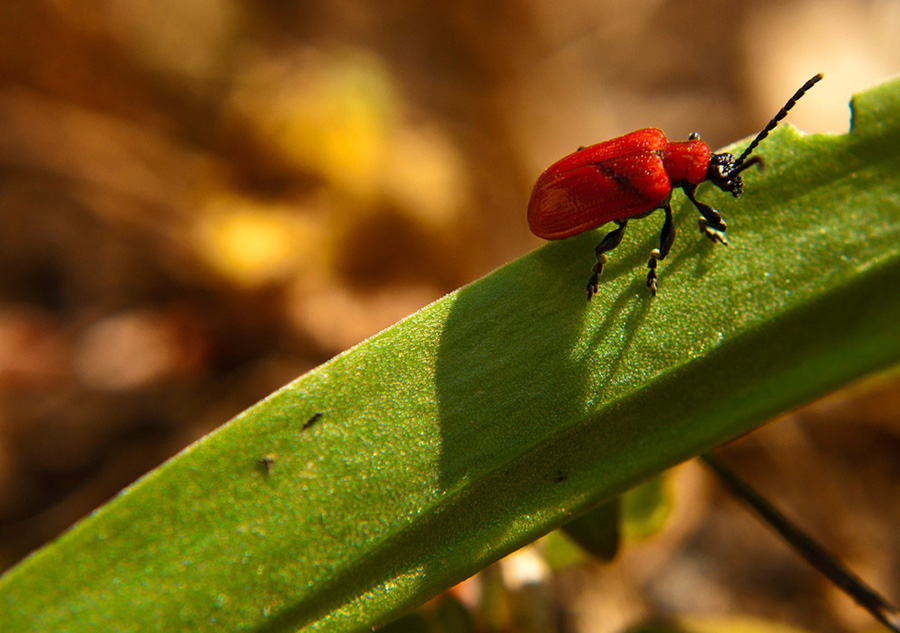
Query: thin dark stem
815	554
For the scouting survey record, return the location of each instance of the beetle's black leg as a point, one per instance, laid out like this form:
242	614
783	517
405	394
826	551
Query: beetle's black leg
666	239
612	239
711	223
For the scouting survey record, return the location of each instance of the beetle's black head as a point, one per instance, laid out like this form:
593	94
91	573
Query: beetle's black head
722	174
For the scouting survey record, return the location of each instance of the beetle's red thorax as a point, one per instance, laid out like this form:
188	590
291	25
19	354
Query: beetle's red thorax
687	161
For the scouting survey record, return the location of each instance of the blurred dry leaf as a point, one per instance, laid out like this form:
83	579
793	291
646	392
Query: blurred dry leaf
252	243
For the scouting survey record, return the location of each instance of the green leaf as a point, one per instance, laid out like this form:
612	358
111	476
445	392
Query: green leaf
501	411
646	507
635	515
597	530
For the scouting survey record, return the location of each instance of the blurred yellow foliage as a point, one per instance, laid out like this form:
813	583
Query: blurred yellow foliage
424	175
327	115
340	117
253	243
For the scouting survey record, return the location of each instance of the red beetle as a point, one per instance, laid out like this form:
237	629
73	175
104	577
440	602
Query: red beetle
632	176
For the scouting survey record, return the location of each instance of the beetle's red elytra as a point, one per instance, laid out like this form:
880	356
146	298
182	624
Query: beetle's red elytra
630	177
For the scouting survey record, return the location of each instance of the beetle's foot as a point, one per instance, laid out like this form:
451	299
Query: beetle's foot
716	235
653	264
593	286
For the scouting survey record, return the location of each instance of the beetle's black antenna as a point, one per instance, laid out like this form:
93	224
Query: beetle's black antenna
771	126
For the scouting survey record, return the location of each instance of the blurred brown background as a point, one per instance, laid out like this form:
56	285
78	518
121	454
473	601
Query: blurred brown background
202	199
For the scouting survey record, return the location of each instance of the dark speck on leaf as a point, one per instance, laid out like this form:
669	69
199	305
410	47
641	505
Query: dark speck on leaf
267	462
315	418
